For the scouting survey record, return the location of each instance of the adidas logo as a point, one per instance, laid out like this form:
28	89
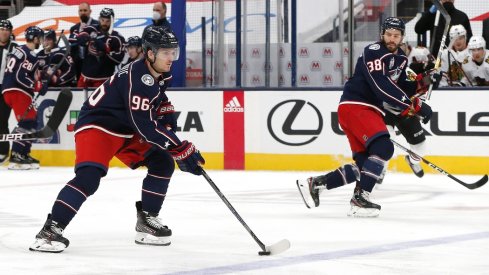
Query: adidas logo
233	106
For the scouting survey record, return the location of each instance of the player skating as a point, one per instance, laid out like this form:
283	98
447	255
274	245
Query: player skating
379	80
129	117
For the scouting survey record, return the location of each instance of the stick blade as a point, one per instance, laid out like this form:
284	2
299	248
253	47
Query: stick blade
478	184
278	247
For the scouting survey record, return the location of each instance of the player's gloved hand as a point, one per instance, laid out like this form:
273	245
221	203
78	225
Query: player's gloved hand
100	45
166	115
41	87
83	39
188	158
420	108
480	81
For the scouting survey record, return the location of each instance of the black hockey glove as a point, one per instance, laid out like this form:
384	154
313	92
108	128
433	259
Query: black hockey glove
166	116
188	158
420	108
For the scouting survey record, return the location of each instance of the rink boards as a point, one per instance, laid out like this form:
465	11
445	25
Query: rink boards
293	130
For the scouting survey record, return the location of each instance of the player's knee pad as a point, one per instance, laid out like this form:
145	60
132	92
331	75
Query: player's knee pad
381	147
87	179
161	164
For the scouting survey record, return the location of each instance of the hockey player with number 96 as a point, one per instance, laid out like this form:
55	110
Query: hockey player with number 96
379	82
128	117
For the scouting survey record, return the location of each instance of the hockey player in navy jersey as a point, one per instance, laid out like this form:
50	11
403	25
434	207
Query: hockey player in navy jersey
134	49
105	50
20	83
379	82
51	55
128	117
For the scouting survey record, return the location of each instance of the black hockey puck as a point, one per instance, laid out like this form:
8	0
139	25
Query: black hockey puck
264	253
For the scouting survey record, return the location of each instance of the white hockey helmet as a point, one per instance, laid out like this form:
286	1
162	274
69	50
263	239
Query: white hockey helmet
476	42
457	30
419	55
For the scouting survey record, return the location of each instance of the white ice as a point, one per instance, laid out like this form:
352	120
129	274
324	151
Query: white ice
427	226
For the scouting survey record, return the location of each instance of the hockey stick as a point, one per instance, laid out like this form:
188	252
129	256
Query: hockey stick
276	248
474	185
448	19
62	104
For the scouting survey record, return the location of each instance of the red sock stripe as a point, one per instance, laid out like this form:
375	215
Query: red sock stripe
67	205
81	192
153	193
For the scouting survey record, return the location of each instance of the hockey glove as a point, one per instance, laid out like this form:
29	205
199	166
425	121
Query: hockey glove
41	87
418	107
83	39
188	158
166	116
101	46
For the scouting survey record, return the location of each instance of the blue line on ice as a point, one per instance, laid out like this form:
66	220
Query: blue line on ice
263	264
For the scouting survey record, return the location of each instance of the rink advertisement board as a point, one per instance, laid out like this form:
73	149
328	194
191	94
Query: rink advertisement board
291	130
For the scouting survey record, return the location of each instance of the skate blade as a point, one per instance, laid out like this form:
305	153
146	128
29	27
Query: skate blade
304	191
279	247
16	166
41	245
359	212
148	239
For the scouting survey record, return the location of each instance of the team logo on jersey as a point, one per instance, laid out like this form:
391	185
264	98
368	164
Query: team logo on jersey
374	47
148	80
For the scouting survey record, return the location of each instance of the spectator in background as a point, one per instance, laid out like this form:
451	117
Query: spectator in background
427	23
452	58
159	15
134	49
485	30
6	46
51	55
78	52
105	50
476	65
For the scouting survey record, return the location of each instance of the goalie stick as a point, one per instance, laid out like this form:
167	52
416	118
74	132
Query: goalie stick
474	185
62	104
448	20
274	249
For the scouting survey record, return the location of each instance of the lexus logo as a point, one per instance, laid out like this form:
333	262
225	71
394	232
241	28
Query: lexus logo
298	114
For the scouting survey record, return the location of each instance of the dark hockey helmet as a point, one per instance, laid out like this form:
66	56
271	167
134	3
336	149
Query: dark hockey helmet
134	41
50	34
159	37
107	13
6	24
33	32
393	23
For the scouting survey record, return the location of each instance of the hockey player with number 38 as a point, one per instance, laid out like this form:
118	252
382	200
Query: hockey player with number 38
128	117
379	80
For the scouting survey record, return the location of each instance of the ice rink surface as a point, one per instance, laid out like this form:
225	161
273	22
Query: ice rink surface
431	225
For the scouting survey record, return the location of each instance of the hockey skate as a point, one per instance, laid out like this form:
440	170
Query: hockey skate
3	159
50	238
361	206
20	161
149	229
416	167
310	189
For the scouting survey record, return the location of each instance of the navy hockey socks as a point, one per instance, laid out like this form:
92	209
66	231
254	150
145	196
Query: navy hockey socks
344	175
380	151
160	169
75	193
23	147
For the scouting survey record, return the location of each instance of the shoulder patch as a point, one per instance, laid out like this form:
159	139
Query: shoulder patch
466	60
148	80
374	47
487	60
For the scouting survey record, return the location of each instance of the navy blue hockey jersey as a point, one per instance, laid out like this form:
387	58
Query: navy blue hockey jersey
127	103
66	72
380	80
21	69
99	64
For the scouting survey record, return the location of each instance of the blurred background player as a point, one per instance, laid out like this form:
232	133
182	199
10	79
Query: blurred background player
6	46
379	80
78	51
121	118
476	65
452	58
159	15
19	85
134	49
51	55
105	50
